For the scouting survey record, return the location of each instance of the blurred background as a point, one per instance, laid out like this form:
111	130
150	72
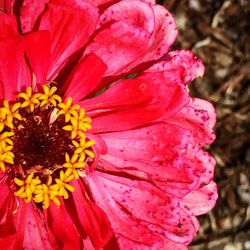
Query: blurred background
219	32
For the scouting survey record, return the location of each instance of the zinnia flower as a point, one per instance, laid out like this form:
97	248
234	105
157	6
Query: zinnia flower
101	146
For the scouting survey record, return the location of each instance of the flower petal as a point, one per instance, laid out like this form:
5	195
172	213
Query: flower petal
153	150
30	12
200	201
130	92
132	33
67	236
149	205
144	101
37	44
85	77
36	235
179	66
29	228
199	118
88	217
6	6
8	26
119	42
126	29
70	30
14	72
128	230
7	204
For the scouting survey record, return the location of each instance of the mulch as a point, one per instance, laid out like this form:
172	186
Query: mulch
219	32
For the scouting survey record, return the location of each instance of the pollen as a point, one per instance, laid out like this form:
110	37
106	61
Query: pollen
44	145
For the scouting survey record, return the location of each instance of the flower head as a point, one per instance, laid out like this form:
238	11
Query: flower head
101	145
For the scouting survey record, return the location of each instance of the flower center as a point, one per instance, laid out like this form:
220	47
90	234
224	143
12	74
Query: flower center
43	145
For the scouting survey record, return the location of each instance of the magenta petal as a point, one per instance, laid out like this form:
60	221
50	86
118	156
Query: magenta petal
38	43
67	236
157	148
202	200
130	92
7	205
179	66
89	218
8	26
30	12
14	72
151	105
163	36
149	205
199	118
70	30
128	230
192	67
125	120
36	235
126	30
152	205
5	196
131	33
169	245
30	229
6	6
86	76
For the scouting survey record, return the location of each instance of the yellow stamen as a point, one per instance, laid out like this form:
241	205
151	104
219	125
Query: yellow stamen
30	100
49	96
68	110
53	183
82	148
27	187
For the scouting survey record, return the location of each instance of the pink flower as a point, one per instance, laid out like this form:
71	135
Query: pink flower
131	172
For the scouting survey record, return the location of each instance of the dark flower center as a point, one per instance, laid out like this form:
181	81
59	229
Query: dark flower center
43	145
39	144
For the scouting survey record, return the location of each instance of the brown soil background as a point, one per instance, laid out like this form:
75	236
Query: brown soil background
219	32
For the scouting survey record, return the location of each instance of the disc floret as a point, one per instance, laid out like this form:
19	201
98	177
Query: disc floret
43	144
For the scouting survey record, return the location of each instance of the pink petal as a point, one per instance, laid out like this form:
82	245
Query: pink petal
88	217
126	30
37	44
203	164
199	118
157	147
131	33
172	95
168	244
202	200
183	232
8	242
163	36
8	26
7	205
70	30
179	66
6	6
152	207
144	101
128	230
30	227
125	120
35	235
14	72
30	12
101	2
66	236
85	77
130	92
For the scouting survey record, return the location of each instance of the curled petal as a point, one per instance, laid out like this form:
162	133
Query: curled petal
131	33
